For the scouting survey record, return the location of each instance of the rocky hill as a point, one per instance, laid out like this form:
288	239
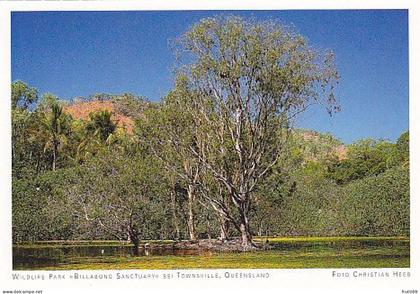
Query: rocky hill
124	108
317	145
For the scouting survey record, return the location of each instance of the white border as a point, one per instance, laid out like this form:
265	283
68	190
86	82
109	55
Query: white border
296	281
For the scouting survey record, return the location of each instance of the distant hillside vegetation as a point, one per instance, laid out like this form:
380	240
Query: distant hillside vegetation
124	108
315	146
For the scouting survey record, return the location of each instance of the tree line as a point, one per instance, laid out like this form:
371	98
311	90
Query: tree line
218	157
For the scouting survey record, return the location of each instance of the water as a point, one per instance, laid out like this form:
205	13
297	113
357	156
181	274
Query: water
40	256
44	256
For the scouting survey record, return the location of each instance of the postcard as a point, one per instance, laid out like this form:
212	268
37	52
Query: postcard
209	147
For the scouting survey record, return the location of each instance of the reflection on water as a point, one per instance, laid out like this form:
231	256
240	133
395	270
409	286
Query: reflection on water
37	257
43	256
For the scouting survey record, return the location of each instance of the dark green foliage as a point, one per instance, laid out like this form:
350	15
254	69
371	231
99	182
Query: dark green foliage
364	158
41	208
27	144
101	124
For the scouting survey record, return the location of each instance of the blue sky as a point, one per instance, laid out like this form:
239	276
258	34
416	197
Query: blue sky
80	53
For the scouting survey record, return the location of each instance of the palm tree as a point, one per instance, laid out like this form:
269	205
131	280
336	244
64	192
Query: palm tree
56	124
101	124
98	132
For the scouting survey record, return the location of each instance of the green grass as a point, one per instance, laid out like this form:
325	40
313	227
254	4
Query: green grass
312	255
331	239
377	258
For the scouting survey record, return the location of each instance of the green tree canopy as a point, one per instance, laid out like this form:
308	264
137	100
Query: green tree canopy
23	95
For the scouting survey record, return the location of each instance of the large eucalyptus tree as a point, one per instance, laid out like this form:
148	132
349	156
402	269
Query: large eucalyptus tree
244	82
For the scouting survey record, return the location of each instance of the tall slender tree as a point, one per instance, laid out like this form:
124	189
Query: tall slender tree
167	132
56	124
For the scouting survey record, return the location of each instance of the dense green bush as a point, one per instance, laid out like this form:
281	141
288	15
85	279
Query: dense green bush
41	209
377	205
372	206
